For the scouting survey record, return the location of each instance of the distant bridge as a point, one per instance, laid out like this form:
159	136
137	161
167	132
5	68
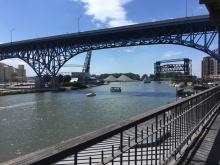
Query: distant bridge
186	67
47	55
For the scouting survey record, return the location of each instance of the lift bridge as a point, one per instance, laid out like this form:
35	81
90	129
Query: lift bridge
85	74
186	67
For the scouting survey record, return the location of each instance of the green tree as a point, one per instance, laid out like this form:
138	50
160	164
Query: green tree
60	78
46	78
66	78
144	76
152	76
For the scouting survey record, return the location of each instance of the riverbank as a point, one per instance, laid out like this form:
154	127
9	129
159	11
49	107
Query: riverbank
14	91
64	87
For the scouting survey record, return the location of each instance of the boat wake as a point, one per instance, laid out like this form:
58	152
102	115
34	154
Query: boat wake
21	105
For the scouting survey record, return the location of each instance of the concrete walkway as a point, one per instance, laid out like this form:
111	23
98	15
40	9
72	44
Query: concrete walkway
207	150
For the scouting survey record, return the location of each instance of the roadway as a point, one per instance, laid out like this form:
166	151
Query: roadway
152	28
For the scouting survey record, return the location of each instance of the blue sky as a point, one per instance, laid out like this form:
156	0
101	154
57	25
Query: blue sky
39	18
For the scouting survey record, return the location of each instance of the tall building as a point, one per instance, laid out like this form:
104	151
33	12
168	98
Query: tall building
11	74
21	73
210	68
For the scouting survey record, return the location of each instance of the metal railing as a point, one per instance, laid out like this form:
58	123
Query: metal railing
155	137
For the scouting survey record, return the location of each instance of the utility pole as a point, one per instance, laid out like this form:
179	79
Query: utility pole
11	31
78	22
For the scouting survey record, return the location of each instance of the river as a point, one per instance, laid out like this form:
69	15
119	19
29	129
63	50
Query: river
29	122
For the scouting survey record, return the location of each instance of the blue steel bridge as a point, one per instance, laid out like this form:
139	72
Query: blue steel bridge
47	55
183	132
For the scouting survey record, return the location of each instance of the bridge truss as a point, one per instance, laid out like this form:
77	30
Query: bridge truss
48	55
186	67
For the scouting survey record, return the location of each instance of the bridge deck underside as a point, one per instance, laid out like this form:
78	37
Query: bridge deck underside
214	10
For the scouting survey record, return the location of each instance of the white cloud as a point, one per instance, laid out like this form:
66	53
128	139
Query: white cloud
201	8
153	20
110	12
14	62
171	54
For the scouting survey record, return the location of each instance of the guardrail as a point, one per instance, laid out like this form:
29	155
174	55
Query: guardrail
155	137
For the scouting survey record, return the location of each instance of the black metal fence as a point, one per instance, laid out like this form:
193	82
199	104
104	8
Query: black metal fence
155	137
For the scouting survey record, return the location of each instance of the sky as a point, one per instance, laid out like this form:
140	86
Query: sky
27	19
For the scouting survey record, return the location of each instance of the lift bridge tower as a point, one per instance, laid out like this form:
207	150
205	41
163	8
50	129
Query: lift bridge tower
85	74
86	67
167	66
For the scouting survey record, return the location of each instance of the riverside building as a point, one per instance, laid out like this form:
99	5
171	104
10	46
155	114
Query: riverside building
11	74
210	68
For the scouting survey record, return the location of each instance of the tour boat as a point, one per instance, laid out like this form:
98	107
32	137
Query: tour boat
115	89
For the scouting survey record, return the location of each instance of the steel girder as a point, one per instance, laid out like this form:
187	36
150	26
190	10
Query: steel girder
172	68
86	67
186	67
48	58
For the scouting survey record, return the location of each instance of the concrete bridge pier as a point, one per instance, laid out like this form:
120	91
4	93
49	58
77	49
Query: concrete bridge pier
39	82
55	82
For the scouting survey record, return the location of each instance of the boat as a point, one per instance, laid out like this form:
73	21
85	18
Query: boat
147	80
106	83
90	94
115	89
184	93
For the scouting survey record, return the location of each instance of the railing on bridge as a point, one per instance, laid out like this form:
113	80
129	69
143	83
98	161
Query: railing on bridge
155	137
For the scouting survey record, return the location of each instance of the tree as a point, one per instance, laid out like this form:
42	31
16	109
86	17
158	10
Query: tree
66	78
144	76
46	78
60	78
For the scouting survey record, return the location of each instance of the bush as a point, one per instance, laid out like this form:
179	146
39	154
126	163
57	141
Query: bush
74	84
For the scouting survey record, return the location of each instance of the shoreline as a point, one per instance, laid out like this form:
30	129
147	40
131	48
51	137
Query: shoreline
26	91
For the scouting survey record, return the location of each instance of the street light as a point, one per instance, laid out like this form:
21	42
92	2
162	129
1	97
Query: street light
186	8
11	31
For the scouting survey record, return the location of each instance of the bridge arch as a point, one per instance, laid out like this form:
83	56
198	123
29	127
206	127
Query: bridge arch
49	60
85	48
47	55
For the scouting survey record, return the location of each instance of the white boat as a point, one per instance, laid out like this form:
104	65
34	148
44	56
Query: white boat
115	89
106	83
90	94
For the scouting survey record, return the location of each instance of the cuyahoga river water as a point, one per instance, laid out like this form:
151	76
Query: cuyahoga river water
30	122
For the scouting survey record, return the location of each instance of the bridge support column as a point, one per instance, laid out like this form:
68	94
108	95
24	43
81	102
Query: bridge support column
39	82
55	82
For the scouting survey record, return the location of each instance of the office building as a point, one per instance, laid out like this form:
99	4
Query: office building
210	68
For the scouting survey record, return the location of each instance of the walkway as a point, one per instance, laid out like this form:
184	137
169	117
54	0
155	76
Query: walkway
207	149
